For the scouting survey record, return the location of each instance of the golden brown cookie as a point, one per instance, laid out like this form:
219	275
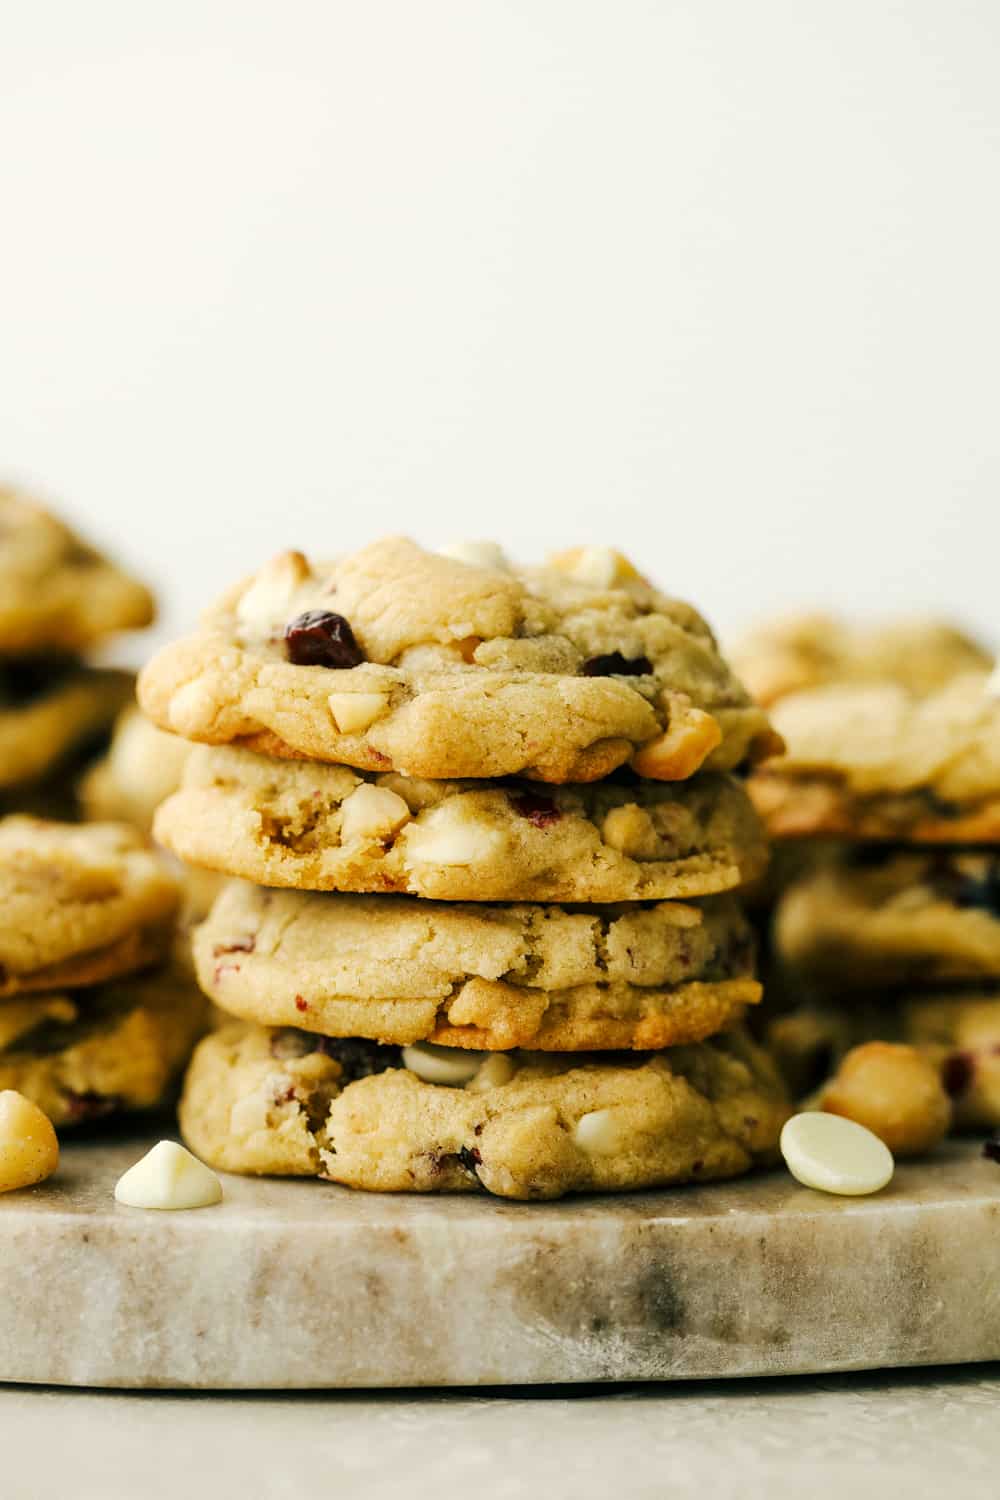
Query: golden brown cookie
396	658
524	1126
401	970
140	770
309	826
47	714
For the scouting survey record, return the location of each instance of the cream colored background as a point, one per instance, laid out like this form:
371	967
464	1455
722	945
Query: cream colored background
716	280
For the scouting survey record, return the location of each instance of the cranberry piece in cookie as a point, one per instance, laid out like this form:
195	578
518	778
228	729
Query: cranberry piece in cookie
614	664
320	638
539	810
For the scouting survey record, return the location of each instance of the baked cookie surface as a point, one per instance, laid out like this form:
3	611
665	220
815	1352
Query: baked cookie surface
400	659
400	970
57	593
84	1054
140	770
907	917
783	656
524	1125
46	715
310	826
79	904
876	762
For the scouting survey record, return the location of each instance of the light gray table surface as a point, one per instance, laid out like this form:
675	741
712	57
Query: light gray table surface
917	1433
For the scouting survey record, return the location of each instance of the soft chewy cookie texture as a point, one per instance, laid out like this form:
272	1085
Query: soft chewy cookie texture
310	826
57	593
285	1102
79	904
401	970
785	656
905	917
876	762
50	711
84	1054
396	658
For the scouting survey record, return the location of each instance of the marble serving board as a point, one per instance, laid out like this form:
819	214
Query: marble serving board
301	1284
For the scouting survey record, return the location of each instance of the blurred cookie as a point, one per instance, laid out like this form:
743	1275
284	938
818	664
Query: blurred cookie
85	1054
140	770
48	713
875	762
783	656
79	905
57	593
523	1125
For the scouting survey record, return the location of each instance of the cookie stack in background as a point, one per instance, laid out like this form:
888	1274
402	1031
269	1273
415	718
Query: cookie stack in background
887	920
58	600
485	837
95	1017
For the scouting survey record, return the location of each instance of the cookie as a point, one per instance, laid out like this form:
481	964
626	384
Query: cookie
961	1032
310	826
141	768
901	918
46	715
788	655
875	762
84	1054
399	659
79	904
402	970
57	593
526	1125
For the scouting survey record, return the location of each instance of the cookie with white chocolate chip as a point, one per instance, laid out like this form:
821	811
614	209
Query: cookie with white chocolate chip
523	1126
875	762
400	970
114	1048
907	917
309	826
57	593
395	658
79	905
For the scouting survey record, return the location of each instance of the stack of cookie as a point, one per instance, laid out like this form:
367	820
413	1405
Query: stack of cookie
891	931
58	600
94	1017
486	835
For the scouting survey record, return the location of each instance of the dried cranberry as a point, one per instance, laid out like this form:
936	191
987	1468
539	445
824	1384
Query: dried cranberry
300	1003
357	1057
616	665
991	1149
319	638
956	1074
541	811
470	1159
88	1106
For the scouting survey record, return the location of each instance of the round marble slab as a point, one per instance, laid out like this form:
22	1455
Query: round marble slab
301	1284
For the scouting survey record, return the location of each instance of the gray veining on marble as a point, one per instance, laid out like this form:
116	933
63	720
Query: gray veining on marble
300	1284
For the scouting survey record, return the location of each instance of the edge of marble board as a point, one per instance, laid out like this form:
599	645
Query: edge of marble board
304	1285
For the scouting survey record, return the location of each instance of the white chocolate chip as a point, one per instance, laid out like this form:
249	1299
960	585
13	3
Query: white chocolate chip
354	712
497	1070
835	1154
29	1150
598	1133
479	554
372	812
602	567
265	603
452	1066
168	1177
444	840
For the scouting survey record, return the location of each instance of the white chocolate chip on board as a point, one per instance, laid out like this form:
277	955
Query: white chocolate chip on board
168	1177
835	1155
29	1150
354	712
451	1066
